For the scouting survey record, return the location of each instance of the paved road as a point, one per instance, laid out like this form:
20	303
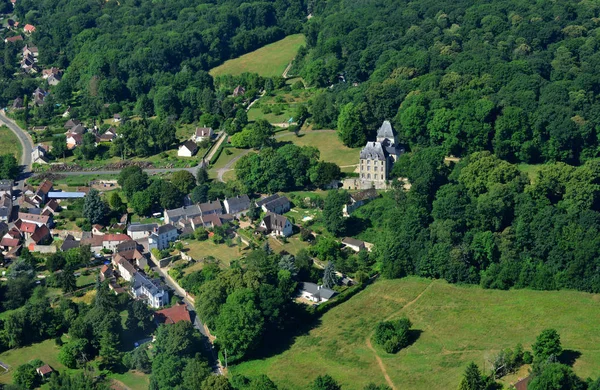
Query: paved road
27	145
227	167
189	301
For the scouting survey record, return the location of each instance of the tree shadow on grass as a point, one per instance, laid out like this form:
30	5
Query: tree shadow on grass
568	357
413	336
355	225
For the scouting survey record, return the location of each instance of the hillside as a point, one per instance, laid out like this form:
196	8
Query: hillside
268	61
457	324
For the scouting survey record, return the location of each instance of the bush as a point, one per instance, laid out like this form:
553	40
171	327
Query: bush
228	152
393	335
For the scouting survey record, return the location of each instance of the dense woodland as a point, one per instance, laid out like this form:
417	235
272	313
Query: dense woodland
516	78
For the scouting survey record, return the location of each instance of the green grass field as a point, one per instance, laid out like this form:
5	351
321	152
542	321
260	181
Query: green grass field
458	324
10	144
268	61
201	249
327	142
47	351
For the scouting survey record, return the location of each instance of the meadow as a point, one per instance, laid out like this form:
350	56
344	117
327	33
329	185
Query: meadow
10	144
456	325
328	143
268	61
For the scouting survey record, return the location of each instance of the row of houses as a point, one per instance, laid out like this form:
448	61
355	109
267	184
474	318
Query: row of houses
75	131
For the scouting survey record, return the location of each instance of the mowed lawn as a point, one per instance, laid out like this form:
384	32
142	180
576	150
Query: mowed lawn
268	61
202	249
10	144
328	143
457	324
47	351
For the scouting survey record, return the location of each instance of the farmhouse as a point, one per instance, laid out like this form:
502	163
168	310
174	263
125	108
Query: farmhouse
187	149
162	237
316	293
38	155
237	205
202	134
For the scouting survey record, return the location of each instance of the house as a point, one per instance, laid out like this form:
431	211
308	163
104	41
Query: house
6	187
187	149
50	72
237	205
14	39
377	158
131	251
39	95
117	118
69	243
110	241
185	212
211	207
202	134
44	371
151	291
40	235
210	220
163	236
52	207
54	79
354	244
239	91
8	242
172	315
38	155
106	272
125	268
78	129
276	224
71	123
31	50
67	112
358	199
44	190
275	204
316	293
137	230
37	219
25	228
108	136
6	208
17	103
97	229
74	140
29	29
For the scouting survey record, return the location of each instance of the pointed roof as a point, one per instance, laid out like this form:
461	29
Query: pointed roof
372	151
386	130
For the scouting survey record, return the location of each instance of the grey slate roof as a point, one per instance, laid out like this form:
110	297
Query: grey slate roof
266	200
6	185
190	145
275	221
153	286
386	130
237	204
353	242
209	207
373	151
274	204
184	212
165	228
317	291
142	227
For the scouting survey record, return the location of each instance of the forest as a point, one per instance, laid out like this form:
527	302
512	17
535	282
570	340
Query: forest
519	79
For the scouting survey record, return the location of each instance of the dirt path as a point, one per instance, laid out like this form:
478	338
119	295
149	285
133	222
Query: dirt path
370	346
287	69
227	167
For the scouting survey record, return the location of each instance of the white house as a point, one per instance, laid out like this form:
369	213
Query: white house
38	155
162	237
202	133
187	149
151	291
274	204
111	241
138	230
126	269
316	293
276	224
237	205
354	244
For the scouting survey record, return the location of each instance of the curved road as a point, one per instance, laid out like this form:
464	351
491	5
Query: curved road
27	146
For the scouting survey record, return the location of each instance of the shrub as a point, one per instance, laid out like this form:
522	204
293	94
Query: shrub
393	335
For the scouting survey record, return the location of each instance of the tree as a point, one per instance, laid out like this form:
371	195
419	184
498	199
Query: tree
322	174
200	194
116	203
351	127
329	276
67	279
547	346
332	212
55	261
325	382
556	376
253	211
216	382
140	361
240	324
132	179
184	181
74	353
59	146
393	335
194	373
139	316
202	176
472	379
26	377
141	203
109	350
94	208
176	340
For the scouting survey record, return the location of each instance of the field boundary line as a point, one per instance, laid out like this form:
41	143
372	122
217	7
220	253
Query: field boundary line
370	346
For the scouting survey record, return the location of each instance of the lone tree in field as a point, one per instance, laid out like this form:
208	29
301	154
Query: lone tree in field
94	208
393	335
472	379
547	346
329	277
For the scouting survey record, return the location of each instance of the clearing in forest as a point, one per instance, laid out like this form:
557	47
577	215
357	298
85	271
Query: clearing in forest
268	61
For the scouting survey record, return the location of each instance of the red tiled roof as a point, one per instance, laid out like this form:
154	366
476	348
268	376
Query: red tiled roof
173	315
14	39
45	369
116	237
26	227
34	217
40	233
29	28
9	242
45	187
